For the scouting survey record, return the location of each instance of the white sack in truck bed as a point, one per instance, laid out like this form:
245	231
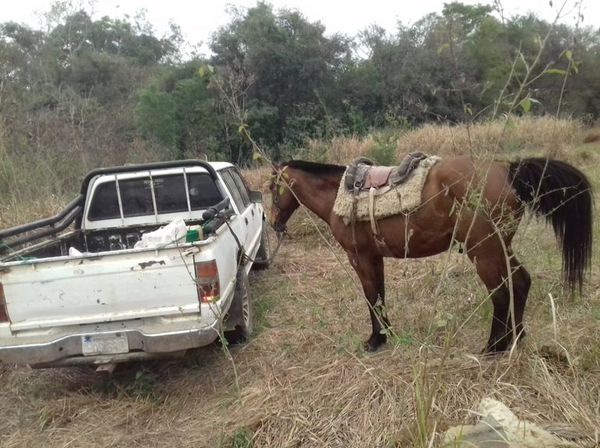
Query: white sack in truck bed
172	232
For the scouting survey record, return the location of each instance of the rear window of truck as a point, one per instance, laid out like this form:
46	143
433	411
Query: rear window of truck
169	191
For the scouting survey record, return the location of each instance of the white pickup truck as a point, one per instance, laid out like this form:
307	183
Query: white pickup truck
87	287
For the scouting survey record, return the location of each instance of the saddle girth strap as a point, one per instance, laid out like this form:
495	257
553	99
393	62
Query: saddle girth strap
353	224
379	241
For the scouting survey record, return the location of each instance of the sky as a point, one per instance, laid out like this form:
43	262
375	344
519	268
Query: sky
200	18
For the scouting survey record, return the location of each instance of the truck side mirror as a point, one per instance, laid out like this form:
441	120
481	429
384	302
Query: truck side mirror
256	196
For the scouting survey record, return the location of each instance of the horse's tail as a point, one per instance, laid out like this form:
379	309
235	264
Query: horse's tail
563	195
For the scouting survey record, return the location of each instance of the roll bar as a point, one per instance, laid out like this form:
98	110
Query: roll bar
74	210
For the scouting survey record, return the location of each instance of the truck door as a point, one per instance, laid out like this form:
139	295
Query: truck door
256	209
245	224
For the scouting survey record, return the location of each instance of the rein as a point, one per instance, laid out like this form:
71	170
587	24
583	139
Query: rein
280	238
245	256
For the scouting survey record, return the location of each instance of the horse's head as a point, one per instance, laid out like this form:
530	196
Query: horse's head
283	199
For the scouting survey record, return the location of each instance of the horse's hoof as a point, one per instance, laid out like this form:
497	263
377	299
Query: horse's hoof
495	349
374	342
487	353
503	344
496	346
369	348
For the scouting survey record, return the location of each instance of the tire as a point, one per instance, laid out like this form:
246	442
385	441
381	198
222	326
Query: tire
239	319
263	255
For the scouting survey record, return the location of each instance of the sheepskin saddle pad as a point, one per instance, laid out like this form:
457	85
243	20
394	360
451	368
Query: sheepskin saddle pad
379	192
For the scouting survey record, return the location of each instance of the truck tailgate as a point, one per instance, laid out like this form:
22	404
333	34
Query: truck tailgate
114	286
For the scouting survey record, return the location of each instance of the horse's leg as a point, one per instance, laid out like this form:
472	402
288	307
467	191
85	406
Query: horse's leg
491	268
370	273
521	281
492	271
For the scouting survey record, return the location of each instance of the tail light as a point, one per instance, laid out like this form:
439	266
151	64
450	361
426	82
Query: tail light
207	281
3	309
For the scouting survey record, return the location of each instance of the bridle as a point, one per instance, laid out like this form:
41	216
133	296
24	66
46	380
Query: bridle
278	181
279	184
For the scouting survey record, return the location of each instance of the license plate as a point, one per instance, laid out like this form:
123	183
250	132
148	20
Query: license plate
104	344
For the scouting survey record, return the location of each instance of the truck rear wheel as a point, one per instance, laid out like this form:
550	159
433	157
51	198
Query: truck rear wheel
263	255
239	317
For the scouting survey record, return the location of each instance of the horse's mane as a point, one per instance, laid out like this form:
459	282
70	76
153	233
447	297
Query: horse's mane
316	168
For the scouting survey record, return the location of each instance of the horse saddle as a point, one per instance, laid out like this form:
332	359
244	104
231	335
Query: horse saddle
363	175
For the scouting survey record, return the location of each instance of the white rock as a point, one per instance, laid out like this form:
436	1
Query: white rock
499	427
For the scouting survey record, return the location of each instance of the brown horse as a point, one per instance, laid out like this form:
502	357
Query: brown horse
474	202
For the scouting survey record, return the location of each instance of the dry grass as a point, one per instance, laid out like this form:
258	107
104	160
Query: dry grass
545	135
304	379
35	185
258	178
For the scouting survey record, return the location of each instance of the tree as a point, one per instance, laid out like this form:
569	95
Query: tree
290	61
179	112
66	92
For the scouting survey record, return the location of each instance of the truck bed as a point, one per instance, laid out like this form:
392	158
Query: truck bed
90	241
